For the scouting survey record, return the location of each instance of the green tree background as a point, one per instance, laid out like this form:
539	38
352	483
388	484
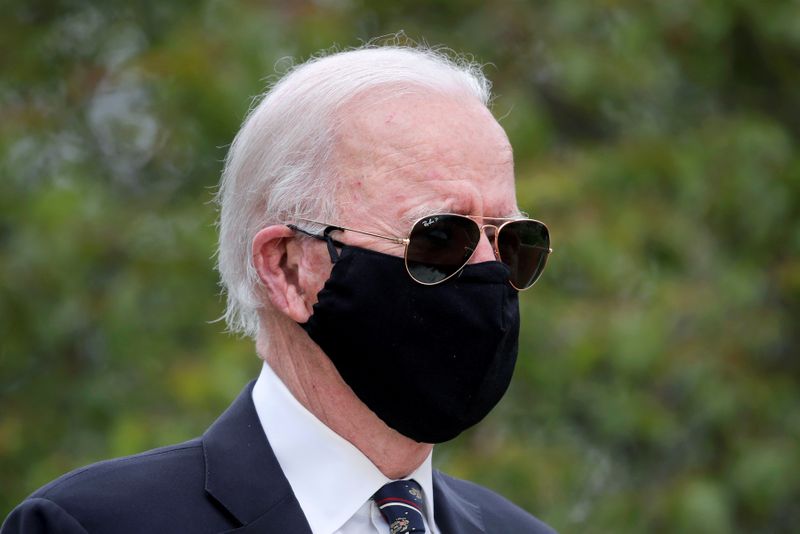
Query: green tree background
657	389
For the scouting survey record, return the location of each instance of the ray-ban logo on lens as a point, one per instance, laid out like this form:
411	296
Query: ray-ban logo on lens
427	222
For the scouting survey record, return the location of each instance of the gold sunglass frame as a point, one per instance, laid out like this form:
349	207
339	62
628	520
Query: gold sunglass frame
474	218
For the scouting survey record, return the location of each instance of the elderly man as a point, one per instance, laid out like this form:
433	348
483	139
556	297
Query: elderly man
371	244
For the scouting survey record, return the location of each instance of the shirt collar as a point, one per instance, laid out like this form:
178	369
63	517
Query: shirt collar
330	477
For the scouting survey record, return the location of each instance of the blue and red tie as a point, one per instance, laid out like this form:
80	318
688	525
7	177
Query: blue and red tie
402	506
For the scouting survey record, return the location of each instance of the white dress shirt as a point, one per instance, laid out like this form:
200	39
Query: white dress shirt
332	480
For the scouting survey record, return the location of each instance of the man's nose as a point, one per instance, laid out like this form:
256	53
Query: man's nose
485	250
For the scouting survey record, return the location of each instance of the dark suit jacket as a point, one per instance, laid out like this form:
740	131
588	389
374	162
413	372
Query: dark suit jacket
226	481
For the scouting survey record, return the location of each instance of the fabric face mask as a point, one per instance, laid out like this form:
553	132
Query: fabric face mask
430	361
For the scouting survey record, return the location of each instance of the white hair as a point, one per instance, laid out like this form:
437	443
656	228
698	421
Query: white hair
275	171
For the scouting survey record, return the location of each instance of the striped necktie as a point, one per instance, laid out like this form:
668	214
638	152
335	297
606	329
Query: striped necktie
401	505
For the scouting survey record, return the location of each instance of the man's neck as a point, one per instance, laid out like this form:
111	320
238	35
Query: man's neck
314	381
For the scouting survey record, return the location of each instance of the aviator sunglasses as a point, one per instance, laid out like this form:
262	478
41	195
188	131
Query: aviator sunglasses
439	246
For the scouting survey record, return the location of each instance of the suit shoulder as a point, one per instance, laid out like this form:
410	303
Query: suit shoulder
498	513
36	515
127	473
162	490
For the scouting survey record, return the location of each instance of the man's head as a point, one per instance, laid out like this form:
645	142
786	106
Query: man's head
367	142
323	144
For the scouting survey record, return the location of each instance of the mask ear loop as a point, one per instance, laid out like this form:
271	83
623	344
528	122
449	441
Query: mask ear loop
332	243
326	236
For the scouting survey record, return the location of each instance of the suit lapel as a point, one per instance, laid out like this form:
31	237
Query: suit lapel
453	513
244	476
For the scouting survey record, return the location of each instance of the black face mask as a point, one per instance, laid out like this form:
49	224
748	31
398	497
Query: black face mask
430	361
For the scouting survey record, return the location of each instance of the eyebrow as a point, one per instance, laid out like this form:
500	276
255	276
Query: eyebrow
419	212
415	214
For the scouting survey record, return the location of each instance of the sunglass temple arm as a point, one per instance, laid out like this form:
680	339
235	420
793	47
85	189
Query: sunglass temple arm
398	240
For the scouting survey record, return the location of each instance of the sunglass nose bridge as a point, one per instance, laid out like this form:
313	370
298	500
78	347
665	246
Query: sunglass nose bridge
490	230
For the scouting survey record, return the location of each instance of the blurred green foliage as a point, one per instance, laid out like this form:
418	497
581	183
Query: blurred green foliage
657	389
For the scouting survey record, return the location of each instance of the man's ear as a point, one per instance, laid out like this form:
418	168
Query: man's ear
280	261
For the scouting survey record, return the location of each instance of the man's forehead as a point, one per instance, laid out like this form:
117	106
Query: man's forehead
393	113
416	153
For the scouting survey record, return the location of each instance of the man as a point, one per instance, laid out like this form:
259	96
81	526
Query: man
365	204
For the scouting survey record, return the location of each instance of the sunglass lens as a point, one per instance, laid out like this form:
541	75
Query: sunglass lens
439	246
524	246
